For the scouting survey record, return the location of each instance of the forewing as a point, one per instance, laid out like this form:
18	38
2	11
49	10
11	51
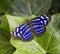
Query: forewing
38	26
24	32
42	20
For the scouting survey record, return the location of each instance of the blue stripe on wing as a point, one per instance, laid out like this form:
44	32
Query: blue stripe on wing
23	32
27	34
16	32
40	30
22	26
45	19
38	25
42	20
37	22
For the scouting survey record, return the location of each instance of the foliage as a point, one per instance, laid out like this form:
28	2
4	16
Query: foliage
16	13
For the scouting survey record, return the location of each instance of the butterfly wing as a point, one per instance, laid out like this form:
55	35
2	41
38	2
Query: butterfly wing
39	24
42	20
23	32
45	19
36	26
38	30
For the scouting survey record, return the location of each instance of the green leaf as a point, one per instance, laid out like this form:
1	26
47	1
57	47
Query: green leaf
55	6
15	21
5	5
5	45
49	42
30	7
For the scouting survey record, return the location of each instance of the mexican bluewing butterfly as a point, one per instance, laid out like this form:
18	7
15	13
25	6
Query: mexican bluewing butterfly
35	26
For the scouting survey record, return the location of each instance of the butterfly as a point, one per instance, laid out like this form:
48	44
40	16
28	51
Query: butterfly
35	26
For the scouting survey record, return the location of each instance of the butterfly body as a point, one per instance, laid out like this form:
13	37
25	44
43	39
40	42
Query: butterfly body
35	26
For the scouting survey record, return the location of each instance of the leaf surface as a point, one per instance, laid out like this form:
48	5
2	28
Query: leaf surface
5	45
30	7
49	42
